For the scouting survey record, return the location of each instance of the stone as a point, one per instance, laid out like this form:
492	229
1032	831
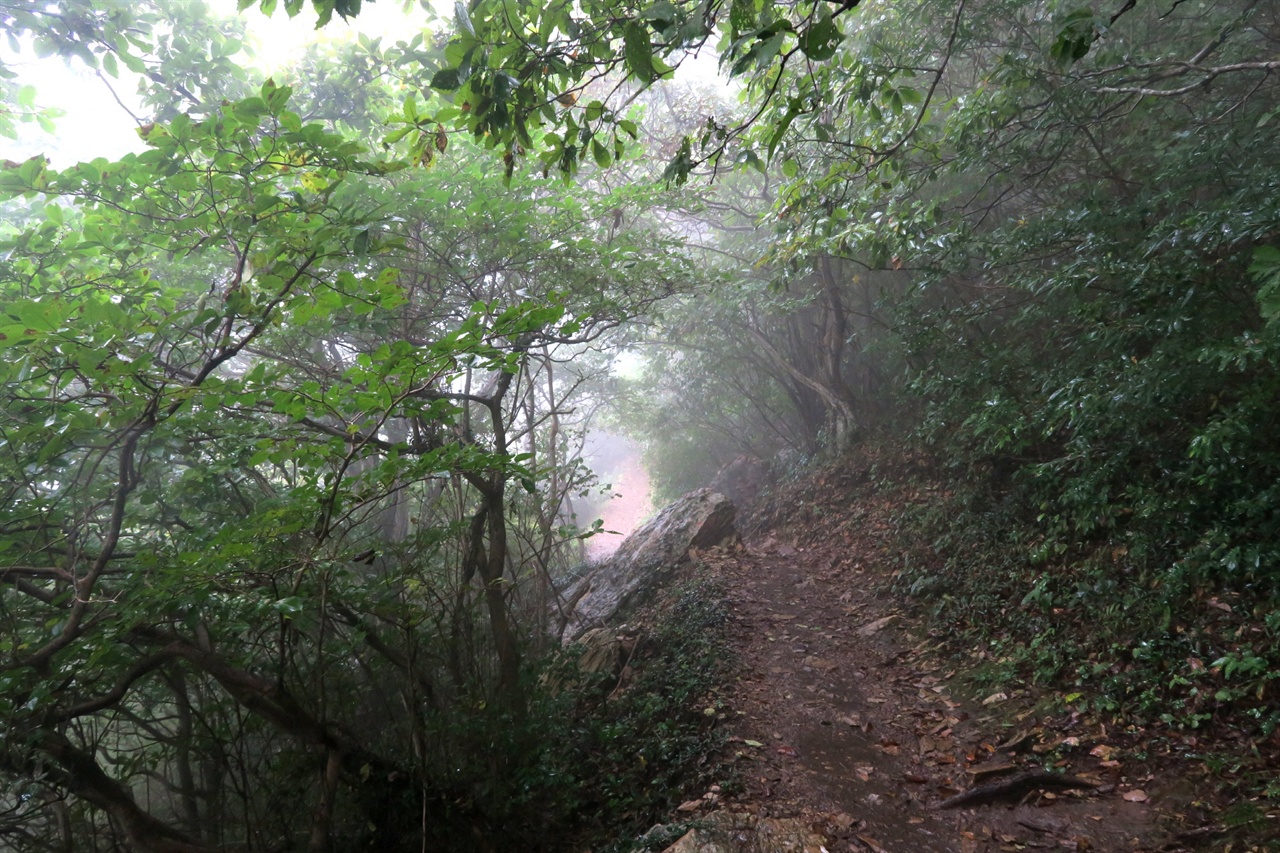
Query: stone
701	519
605	651
723	832
741	480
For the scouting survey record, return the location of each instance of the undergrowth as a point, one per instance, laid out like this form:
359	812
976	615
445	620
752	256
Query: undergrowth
1185	667
599	758
1120	640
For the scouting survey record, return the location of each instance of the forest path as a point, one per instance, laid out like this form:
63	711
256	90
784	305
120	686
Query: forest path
845	719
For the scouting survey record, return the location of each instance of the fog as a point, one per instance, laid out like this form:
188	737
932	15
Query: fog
624	500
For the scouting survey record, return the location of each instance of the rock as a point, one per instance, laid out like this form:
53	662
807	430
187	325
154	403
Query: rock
722	832
700	519
604	651
741	480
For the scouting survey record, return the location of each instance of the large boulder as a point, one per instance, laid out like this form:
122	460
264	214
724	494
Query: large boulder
700	519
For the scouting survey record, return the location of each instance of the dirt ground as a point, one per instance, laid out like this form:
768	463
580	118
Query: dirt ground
844	715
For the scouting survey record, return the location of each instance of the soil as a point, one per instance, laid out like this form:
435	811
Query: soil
845	715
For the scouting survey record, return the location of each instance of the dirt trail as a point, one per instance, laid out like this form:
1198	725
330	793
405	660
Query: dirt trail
846	719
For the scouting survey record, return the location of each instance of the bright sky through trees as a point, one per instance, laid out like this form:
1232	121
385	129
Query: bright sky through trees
100	114
96	120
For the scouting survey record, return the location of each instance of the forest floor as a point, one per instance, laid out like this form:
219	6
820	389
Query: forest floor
846	715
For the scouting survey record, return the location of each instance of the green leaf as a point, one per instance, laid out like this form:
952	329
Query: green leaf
448	79
793	110
662	13
463	19
601	154
133	63
820	41
638	51
290	606
742	17
1265	269
1076	33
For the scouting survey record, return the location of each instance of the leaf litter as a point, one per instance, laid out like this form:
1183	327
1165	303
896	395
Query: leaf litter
868	734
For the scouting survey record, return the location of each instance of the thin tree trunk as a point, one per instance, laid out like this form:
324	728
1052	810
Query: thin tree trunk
322	818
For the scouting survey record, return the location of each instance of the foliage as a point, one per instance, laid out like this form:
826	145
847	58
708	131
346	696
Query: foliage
285	422
263	396
524	76
603	757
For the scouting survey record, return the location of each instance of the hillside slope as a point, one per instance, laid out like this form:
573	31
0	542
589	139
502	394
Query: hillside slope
851	713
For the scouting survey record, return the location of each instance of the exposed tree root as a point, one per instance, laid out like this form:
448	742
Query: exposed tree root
1015	787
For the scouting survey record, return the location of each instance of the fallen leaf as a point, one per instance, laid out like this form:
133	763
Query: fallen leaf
1102	751
1137	795
872	843
754	743
995	697
875	627
689	806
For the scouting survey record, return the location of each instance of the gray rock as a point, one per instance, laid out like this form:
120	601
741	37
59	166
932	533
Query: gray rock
700	519
741	480
721	832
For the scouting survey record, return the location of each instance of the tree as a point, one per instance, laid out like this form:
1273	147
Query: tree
263	401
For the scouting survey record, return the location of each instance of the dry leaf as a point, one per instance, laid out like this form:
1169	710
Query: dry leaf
877	626
888	747
1137	795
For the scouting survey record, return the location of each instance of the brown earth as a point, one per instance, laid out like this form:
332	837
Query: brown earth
845	715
